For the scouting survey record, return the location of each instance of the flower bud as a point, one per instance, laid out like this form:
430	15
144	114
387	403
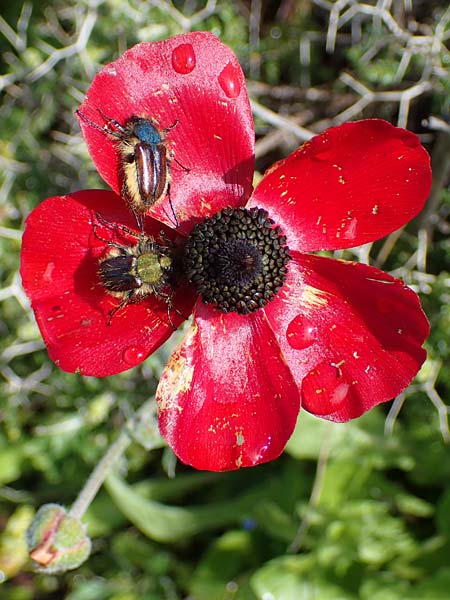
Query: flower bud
56	541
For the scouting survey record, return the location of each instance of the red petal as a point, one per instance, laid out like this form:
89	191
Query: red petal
350	185
59	263
193	79
226	398
350	333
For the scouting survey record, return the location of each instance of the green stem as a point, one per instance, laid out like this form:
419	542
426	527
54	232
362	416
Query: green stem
144	418
98	475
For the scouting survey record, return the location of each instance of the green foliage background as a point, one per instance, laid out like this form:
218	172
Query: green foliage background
360	510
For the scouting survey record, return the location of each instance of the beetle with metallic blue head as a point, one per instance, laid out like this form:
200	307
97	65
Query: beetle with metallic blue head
145	159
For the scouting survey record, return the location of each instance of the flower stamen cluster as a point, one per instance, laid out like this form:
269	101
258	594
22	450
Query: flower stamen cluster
237	260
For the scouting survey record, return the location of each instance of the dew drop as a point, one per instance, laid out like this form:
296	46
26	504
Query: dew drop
301	333
229	80
325	389
133	355
183	59
48	273
349	232
262	452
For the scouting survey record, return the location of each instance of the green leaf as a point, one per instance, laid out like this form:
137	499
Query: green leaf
277	523
443	513
222	563
434	588
10	464
294	578
166	523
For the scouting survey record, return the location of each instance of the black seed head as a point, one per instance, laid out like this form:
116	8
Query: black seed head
237	260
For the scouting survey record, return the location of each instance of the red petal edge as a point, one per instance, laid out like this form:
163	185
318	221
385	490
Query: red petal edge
350	185
351	334
59	262
195	81
226	397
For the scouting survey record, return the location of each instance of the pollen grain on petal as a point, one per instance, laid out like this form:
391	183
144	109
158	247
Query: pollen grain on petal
240	438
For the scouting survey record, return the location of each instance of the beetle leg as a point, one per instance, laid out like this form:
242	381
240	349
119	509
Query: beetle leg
174	124
122	303
116	124
103	129
187	169
115	226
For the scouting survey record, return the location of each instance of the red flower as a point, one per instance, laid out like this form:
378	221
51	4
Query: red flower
273	328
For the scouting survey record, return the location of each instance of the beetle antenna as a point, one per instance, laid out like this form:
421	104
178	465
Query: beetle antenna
187	169
174	124
177	224
114	226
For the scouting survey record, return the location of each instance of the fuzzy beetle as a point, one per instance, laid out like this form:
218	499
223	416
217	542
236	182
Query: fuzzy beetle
145	159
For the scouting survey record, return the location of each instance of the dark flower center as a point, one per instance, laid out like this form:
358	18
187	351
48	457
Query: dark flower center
237	259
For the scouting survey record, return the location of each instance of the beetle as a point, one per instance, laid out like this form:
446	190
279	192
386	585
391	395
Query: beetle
145	160
137	271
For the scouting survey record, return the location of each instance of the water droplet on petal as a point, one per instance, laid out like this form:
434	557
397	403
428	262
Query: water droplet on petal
349	232
133	355
183	59
263	450
48	273
301	333
325	389
229	80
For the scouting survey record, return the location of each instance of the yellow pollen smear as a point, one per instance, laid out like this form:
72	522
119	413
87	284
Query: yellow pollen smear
311	296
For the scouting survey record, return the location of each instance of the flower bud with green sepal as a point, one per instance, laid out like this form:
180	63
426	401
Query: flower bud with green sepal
57	542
